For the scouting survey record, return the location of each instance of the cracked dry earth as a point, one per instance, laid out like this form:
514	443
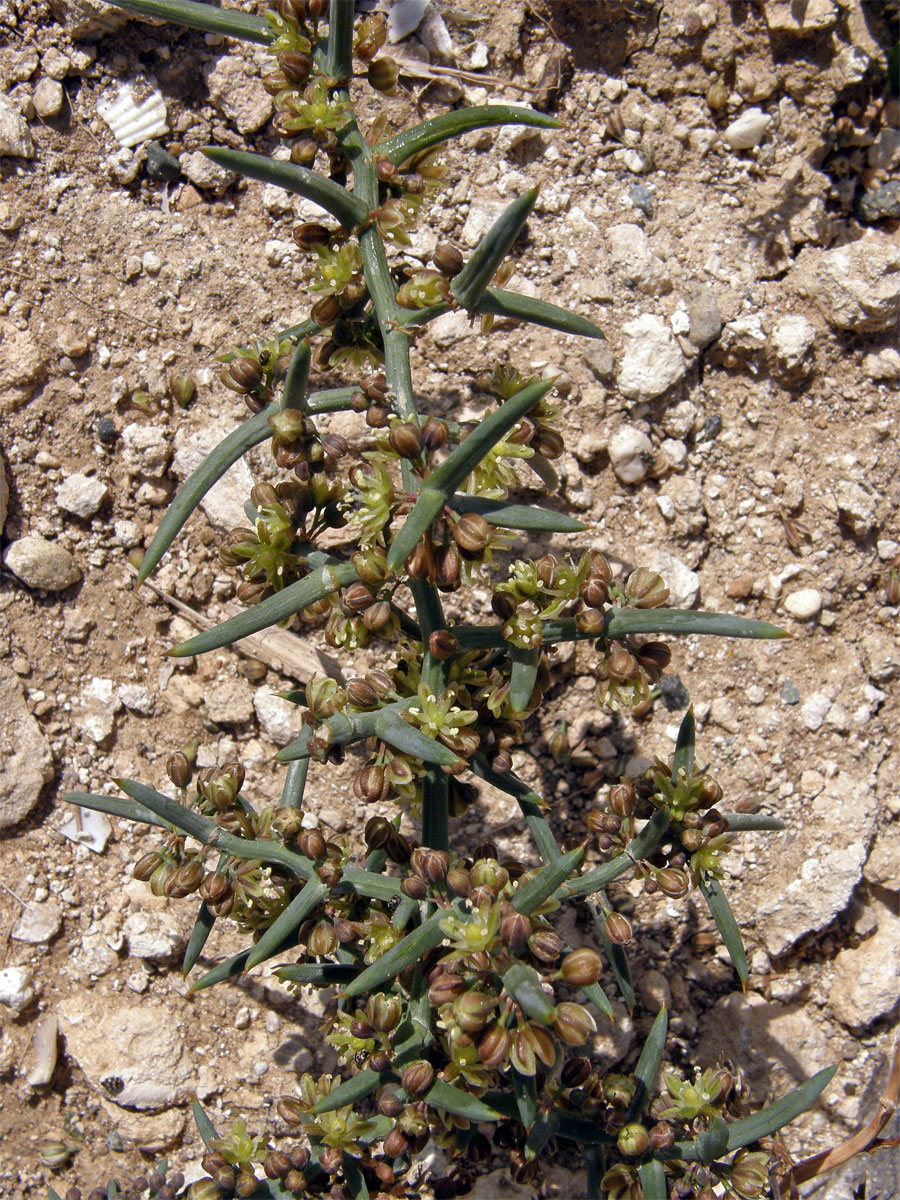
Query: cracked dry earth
722	199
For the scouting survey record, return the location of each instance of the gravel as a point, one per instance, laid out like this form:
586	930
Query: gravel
43	565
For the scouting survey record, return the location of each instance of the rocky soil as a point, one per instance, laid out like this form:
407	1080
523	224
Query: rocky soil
723	200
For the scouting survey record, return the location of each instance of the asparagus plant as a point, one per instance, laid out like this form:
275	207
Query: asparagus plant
460	1015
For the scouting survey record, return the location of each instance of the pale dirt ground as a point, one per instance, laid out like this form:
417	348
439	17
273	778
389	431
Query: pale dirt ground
89	316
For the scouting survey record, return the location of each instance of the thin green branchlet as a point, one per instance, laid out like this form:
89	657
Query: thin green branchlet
461	1016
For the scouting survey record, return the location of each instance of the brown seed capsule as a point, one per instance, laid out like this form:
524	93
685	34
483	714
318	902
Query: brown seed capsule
573	1024
595	593
662	1136
515	930
378	616
322	939
396	1143
380	1060
633	1140
312	843
404	438
215	887
389	1103
296	66
646	589
442	644
445	988
494	1047
575	1072
414	888
397	847
545	945
309	234
245	373
383	75
377	417
377	832
448	260
622	799
431	866
325	312
471	533
146	865
582	967
434	433
460	881
370	785
276	1164
447	567
672	882
618	928
356	598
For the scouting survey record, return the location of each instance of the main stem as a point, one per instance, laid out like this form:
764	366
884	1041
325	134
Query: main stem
429	613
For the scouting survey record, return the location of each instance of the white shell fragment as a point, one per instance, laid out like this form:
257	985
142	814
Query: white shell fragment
93	833
44	1045
405	17
132	122
747	130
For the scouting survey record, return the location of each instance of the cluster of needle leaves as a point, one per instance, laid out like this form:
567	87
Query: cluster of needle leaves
459	1017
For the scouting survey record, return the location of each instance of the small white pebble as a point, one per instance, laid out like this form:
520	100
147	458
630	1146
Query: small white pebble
804	604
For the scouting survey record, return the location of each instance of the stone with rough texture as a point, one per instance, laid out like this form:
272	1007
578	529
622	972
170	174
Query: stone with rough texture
237	94
855	287
652	361
682	582
224	502
883	864
144	450
41	564
87	20
789	348
703	313
81	495
230	703
15	137
4	495
23	365
206	174
866	983
95	710
777	1045
133	1057
38	924
279	719
48	97
153	936
856	506
843	816
747	130
16	988
26	763
800	18
804	604
635	262
630	454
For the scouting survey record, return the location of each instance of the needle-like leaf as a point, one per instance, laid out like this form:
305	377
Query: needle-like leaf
502	303
232	22
528	517
305	902
727	926
647	1068
401	146
470	284
343	205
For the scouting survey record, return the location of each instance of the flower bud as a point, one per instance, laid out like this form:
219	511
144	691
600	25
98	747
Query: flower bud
473	1010
619	1090
383	75
622	665
185	880
201	1189
591	622
448	260
447	564
379	618
445	988
633	1140
215	887
618	928
595	593
361	694
182	389
430	865
471	533
573	1023
581	968
417	1077
397	847
389	1103
422	290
